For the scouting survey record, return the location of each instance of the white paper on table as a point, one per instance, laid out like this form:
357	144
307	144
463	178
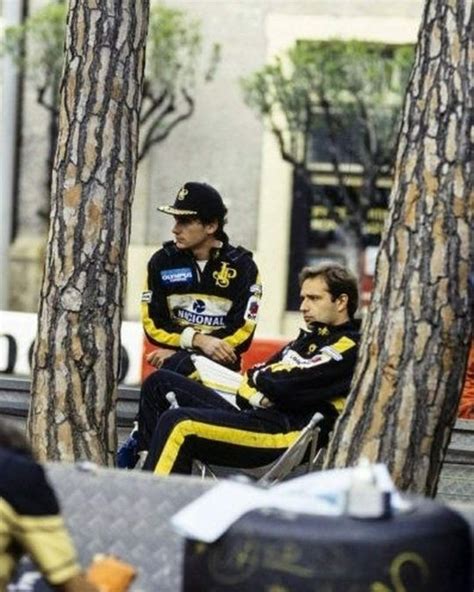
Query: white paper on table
330	485
320	493
209	516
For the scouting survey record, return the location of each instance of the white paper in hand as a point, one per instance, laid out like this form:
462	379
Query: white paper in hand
219	378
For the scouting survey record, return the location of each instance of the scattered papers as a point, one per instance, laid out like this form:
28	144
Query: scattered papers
323	493
209	516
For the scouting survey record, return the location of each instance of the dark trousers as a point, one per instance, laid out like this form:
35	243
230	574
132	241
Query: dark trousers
182	363
208	428
153	401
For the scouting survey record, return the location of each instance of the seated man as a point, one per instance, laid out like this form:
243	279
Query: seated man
202	293
276	399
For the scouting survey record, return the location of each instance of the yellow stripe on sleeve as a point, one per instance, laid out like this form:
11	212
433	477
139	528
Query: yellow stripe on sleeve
46	539
158	335
245	390
241	335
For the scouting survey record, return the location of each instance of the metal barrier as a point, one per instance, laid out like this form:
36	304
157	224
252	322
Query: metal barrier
457	476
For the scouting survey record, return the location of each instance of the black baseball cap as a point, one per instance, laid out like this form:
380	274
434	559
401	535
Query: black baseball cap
197	199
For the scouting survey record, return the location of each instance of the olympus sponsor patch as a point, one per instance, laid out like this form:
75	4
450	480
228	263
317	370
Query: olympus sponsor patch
177	276
147	296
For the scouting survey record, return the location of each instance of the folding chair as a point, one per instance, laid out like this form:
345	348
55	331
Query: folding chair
306	445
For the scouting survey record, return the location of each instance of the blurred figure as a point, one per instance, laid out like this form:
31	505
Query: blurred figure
30	519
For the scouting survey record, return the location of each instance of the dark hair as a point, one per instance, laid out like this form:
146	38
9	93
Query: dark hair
339	281
219	234
221	222
13	439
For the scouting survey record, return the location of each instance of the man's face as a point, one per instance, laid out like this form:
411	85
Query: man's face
317	304
191	233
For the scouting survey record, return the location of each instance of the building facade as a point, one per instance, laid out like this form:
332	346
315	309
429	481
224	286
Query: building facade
223	143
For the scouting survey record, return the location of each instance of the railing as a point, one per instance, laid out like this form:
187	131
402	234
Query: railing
457	476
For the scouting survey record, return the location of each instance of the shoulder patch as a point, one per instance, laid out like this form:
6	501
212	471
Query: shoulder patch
251	312
256	289
336	349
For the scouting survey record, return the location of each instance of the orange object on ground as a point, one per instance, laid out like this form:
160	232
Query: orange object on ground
110	574
466	406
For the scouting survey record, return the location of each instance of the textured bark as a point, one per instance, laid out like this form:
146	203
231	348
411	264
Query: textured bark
409	375
76	358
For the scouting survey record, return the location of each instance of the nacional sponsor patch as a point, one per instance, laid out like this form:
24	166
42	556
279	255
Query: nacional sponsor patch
199	310
147	296
180	275
199	319
251	312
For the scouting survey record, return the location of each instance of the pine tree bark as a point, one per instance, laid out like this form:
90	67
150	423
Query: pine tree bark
408	379
76	357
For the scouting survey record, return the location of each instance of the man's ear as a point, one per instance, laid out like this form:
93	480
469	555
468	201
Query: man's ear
211	227
342	300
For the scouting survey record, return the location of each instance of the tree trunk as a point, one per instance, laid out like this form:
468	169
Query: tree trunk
76	358
408	379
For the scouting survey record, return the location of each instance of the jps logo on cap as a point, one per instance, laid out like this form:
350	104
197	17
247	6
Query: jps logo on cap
182	193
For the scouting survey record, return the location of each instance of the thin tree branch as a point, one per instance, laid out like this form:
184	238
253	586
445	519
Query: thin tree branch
151	139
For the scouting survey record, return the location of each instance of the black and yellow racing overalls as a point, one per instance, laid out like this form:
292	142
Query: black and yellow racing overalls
221	300
312	373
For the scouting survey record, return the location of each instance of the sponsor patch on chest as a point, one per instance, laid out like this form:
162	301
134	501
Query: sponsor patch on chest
199	310
293	358
179	275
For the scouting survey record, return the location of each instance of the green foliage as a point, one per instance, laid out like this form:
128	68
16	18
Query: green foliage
44	31
174	48
335	84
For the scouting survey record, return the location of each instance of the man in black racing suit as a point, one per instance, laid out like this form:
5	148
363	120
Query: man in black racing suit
276	399
202	294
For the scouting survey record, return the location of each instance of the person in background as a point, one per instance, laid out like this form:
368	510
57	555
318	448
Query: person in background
276	399
30	519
